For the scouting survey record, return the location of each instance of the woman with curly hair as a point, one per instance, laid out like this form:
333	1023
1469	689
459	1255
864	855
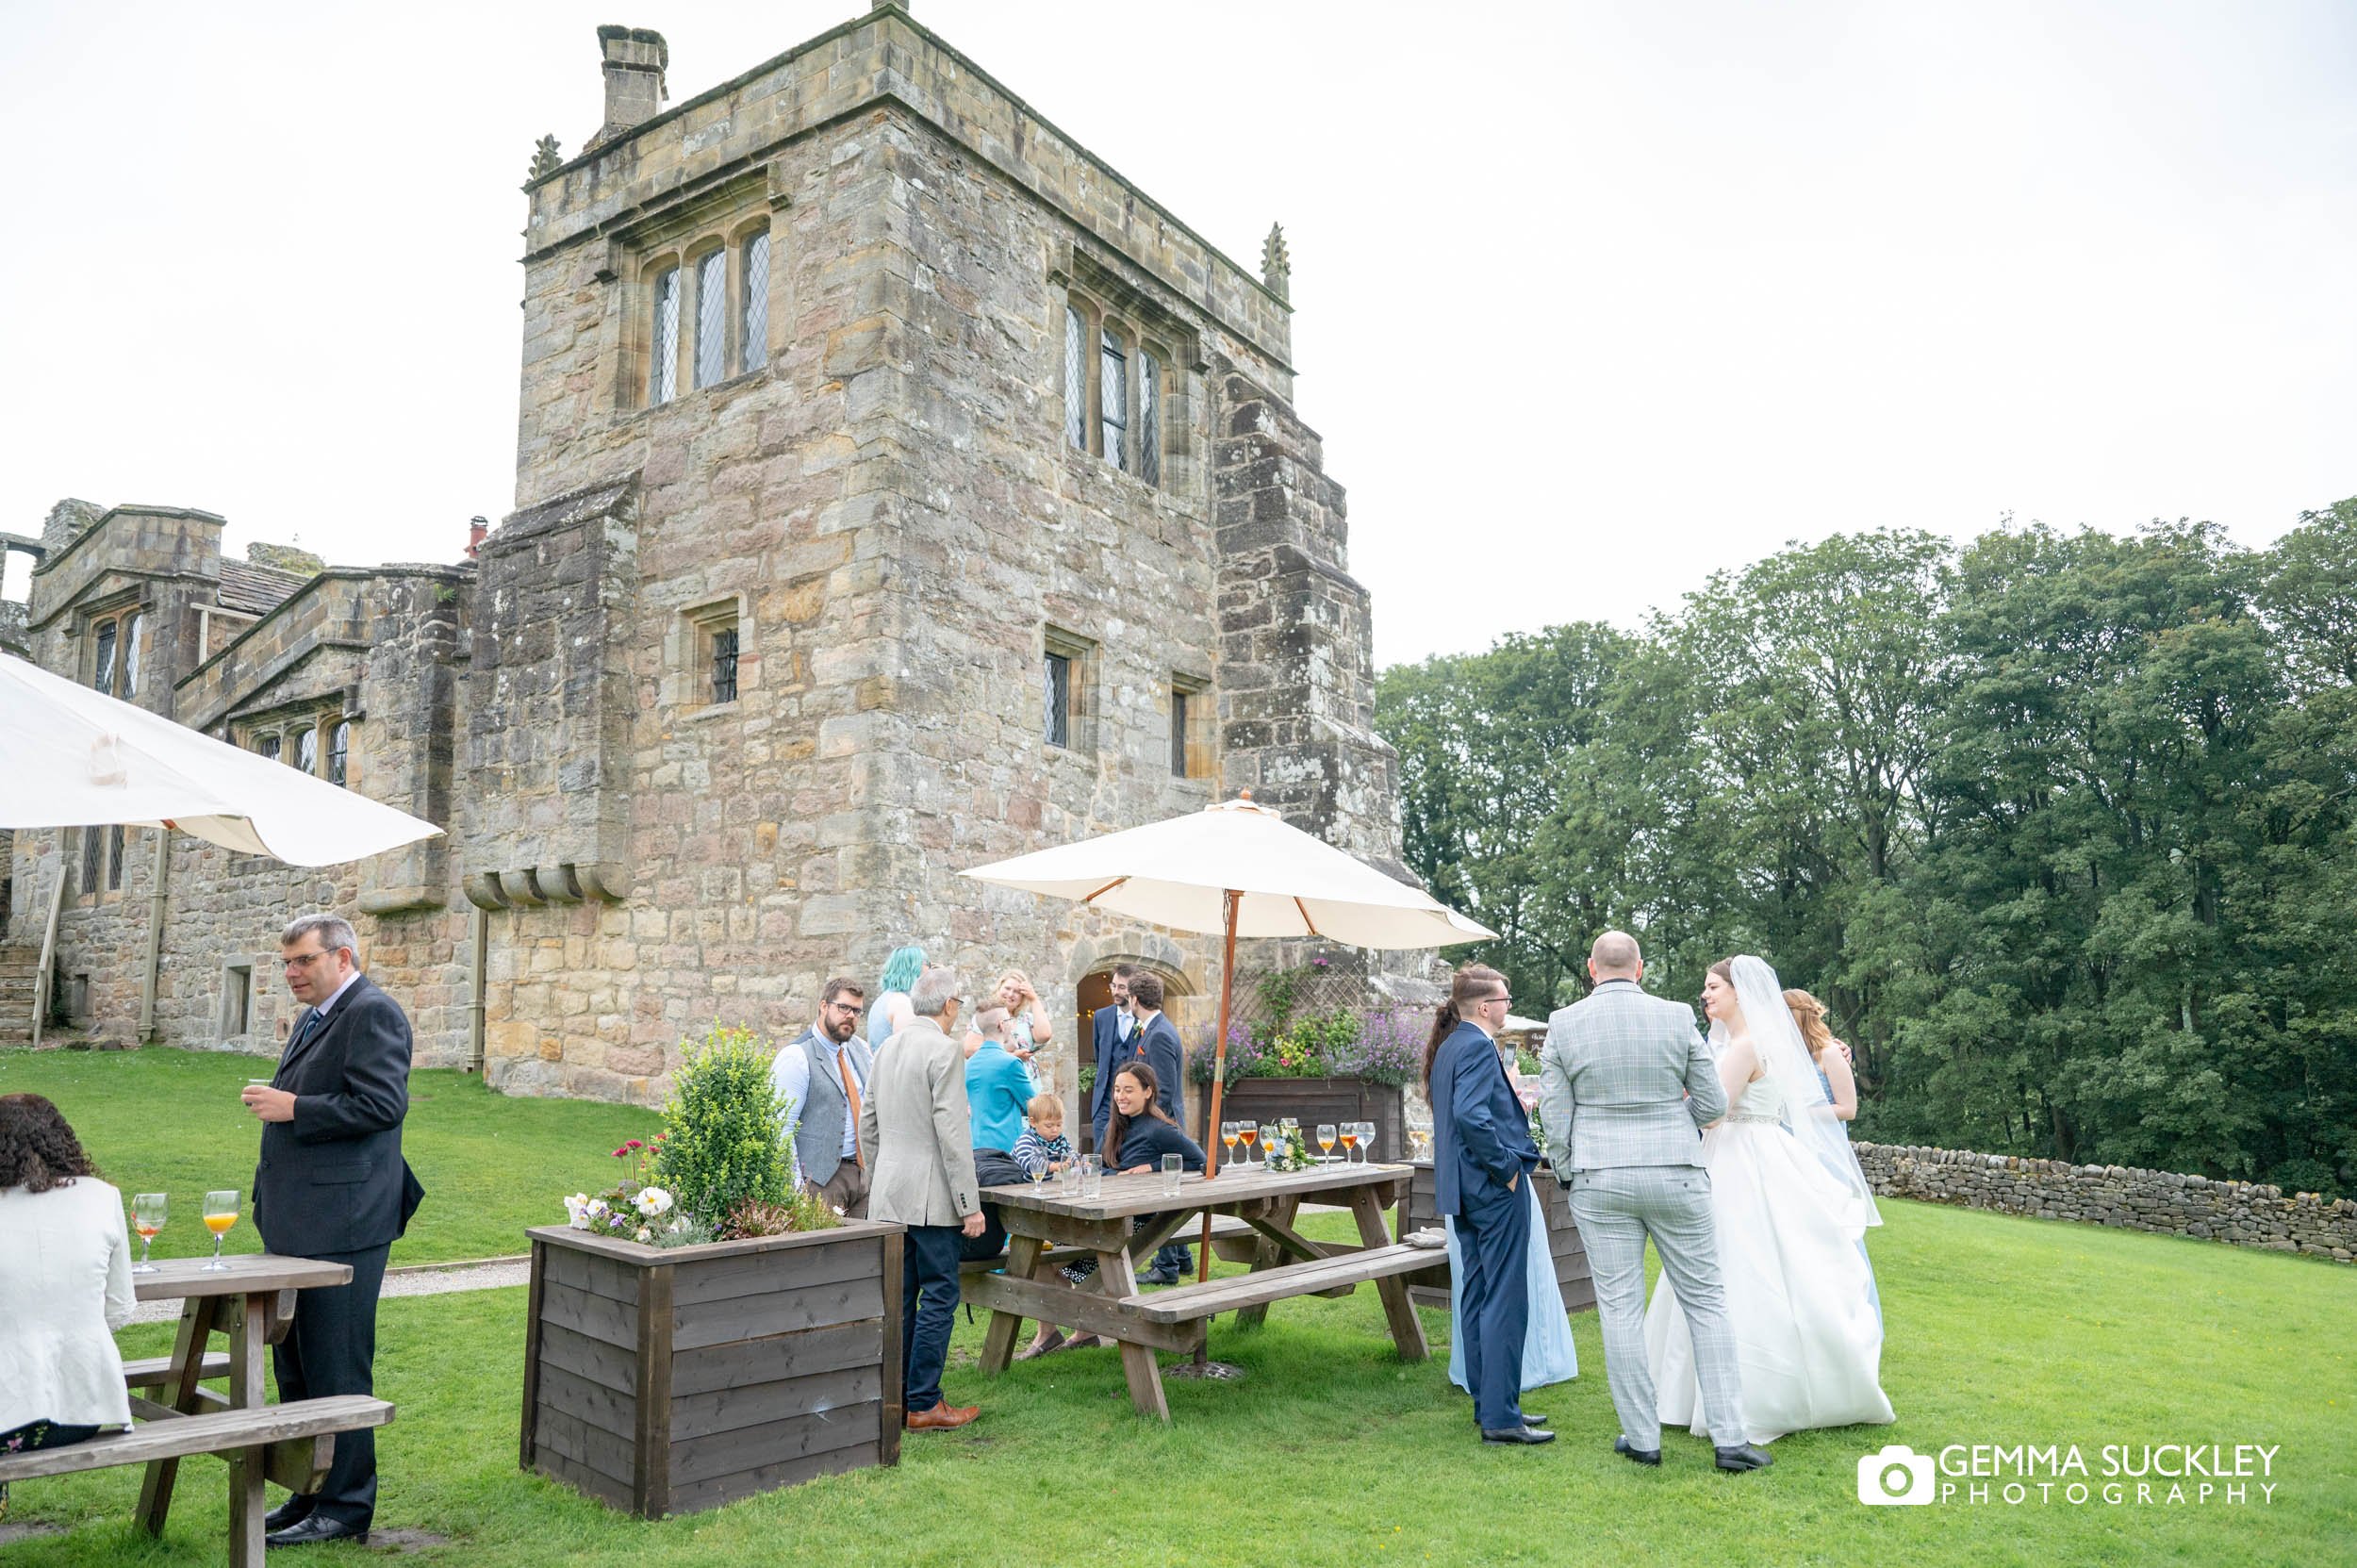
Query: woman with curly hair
65	1272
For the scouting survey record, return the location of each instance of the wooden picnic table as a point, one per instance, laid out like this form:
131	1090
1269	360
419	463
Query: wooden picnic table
252	1301
1286	1263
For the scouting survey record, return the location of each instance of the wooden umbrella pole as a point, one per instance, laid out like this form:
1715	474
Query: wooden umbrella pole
1219	1077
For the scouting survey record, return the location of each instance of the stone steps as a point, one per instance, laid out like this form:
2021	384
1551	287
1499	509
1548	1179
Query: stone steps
18	968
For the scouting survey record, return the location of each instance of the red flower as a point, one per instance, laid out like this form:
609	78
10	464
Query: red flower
623	1153
633	1144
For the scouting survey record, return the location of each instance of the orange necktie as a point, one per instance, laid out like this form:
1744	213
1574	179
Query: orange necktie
850	1092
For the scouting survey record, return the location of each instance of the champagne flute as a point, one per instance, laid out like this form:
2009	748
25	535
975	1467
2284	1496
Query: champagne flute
1326	1142
220	1212
147	1217
1246	1133
1350	1140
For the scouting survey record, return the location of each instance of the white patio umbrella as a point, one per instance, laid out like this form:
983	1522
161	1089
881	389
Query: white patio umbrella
1238	870
71	757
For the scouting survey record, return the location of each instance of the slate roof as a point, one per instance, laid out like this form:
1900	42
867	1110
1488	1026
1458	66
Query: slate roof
256	589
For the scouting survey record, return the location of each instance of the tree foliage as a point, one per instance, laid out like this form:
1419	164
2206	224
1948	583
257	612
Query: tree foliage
2061	826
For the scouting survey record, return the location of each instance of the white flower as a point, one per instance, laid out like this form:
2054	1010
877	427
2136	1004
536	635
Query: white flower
645	1234
653	1202
838	1211
577	1211
597	1209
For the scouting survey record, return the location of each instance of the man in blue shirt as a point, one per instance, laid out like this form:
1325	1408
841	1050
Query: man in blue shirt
997	1085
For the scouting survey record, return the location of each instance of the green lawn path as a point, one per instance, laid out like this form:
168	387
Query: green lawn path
2002	1329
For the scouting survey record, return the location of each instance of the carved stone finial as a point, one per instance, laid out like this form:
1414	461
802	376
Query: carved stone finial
1277	268
545	156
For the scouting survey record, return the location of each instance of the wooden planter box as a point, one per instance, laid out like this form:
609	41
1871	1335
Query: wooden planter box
671	1382
1572	1273
1311	1100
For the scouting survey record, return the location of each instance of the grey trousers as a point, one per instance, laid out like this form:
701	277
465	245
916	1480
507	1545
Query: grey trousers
1616	1210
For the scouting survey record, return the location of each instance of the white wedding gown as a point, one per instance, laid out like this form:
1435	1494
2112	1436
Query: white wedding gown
1807	1339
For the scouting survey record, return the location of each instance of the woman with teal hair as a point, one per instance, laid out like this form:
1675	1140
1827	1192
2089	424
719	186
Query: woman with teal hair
890	1012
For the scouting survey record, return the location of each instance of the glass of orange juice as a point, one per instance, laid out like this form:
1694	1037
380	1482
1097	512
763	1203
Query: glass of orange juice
147	1217
220	1212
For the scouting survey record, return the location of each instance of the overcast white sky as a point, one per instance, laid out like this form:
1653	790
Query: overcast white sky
1591	298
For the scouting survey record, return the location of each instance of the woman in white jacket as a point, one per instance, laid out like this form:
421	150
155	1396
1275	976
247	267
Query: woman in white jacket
65	1273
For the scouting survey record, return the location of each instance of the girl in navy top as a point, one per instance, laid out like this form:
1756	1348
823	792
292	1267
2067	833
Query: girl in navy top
1140	1130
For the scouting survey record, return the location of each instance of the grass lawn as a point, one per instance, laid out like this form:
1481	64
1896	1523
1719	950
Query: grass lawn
169	1121
2002	1329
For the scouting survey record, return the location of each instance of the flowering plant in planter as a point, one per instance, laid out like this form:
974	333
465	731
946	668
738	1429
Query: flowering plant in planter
634	1208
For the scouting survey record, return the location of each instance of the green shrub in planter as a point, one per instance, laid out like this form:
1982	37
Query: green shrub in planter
721	1145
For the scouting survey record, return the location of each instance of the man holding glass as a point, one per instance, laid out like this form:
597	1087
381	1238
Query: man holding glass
332	1185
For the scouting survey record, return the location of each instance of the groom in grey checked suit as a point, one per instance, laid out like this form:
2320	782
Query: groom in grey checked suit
1625	1087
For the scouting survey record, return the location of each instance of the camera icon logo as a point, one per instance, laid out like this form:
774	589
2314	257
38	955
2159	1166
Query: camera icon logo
1898	1475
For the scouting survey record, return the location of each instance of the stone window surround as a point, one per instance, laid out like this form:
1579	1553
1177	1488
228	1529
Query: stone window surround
687	656
288	725
236	1018
1081	722
95	882
685	252
126	612
1197	739
1098	319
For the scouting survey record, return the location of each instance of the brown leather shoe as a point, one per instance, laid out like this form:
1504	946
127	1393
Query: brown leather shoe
940	1417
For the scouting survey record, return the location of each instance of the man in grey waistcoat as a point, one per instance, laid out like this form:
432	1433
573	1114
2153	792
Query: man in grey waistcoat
822	1080
1626	1086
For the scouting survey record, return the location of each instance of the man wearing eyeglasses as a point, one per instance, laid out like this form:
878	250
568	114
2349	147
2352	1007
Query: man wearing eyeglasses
332	1185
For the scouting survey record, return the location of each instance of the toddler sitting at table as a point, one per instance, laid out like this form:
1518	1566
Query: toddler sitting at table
1043	1149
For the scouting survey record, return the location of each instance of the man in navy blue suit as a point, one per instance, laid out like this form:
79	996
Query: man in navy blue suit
1481	1156
1156	1040
1113	1031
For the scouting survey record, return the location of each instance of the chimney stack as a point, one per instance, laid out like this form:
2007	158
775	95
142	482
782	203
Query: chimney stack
636	60
476	528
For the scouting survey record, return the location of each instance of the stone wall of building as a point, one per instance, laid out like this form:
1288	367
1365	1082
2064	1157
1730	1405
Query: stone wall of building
2240	1214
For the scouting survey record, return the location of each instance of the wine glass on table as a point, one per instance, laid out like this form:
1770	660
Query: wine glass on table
1326	1142
1228	1136
147	1217
220	1212
1350	1139
1246	1133
1366	1142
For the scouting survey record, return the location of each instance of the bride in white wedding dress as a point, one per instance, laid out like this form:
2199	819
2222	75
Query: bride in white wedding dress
1798	1291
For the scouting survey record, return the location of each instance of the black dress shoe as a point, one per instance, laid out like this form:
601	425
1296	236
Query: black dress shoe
1744	1456
1517	1434
1643	1456
294	1511
1158	1276
314	1529
1530	1420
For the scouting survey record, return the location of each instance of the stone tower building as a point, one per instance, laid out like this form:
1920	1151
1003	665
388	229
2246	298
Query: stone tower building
899	490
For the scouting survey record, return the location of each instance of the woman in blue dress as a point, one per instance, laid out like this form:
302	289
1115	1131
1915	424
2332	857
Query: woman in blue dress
1548	1354
1832	1070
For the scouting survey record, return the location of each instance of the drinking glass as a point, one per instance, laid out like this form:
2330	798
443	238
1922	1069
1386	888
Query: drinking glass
1246	1133
1326	1142
220	1212
1172	1165
1228	1136
1366	1142
1350	1139
1092	1176
147	1217
1268	1135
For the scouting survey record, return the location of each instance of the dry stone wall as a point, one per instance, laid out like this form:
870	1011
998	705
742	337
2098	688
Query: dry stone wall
2240	1214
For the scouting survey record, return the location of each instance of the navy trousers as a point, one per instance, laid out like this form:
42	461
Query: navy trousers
929	1307
1493	1303
331	1348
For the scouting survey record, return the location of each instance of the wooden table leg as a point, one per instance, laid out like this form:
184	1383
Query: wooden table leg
1407	1328
1268	1255
999	1341
248	1337
179	1392
1118	1280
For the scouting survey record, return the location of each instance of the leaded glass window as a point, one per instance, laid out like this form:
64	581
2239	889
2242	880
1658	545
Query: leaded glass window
266	747
131	654
724	665
1059	699
711	318
1112	400
663	368
114	857
1179	733
757	300
340	752
101	675
93	847
1076	379
1150	417
308	750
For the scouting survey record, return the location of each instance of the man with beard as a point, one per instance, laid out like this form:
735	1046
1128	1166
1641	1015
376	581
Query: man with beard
822	1080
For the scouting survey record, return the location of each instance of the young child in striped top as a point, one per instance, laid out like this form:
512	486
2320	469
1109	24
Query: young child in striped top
1041	1147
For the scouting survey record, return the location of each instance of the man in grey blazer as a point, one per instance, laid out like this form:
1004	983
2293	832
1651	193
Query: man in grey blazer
822	1080
915	1132
1626	1086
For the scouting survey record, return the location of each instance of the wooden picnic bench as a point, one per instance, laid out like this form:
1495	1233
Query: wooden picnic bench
252	1303
1253	1212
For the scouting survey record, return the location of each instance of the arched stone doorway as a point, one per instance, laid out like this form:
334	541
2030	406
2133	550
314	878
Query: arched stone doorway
1095	990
